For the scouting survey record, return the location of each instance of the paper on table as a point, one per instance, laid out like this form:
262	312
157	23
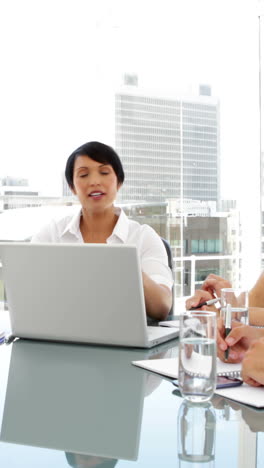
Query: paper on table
169	367
170	323
253	396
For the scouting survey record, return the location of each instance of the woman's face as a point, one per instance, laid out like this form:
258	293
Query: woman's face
95	184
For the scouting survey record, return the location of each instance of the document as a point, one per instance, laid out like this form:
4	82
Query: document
253	396
169	367
170	323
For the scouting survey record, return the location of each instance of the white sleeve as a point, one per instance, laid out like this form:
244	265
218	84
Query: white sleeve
46	234
154	258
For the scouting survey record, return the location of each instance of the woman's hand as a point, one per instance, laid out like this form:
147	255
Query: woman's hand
253	364
256	294
199	296
210	289
238	341
213	284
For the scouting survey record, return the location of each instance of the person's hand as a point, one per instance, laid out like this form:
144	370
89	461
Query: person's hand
199	296
256	316
213	285
210	289
238	345
239	340
253	364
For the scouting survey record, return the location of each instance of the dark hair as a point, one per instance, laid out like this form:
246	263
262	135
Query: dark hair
98	152
106	463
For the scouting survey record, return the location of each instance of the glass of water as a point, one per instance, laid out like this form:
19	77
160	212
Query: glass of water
237	301
197	355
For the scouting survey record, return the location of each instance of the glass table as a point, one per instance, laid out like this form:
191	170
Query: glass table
67	405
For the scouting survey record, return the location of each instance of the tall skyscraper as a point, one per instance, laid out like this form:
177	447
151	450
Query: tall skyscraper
169	146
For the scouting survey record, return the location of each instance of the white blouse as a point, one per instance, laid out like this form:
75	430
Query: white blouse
152	253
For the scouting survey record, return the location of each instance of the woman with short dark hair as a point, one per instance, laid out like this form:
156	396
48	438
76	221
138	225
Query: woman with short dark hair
98	152
94	173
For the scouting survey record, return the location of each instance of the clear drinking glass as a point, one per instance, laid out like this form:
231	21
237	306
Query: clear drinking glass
197	355
196	435
237	300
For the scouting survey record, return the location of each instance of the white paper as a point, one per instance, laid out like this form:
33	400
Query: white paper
246	394
169	367
170	323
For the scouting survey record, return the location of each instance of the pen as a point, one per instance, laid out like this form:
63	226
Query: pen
227	326
206	303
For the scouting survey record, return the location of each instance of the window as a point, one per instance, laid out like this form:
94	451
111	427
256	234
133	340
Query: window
207	246
201	274
173	106
195	246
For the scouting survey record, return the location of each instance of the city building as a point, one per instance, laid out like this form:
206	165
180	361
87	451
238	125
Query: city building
66	191
14	191
169	145
202	240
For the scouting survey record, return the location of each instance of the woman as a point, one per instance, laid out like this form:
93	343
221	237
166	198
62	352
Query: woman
94	173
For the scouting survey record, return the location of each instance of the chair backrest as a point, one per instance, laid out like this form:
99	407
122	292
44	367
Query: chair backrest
168	250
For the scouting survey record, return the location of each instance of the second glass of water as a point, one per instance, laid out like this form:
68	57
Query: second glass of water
237	299
197	355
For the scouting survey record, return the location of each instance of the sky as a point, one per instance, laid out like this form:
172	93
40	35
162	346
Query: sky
62	61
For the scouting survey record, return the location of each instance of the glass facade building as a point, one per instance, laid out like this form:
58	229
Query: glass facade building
169	147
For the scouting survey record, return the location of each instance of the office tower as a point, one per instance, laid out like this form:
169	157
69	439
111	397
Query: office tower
15	192
66	191
169	146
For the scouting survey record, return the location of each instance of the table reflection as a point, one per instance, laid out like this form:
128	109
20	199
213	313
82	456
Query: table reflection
89	461
253	417
84	400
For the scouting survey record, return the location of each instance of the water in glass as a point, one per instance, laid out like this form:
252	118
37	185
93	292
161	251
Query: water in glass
197	368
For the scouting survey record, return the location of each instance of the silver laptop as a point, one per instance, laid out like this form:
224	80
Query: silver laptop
90	293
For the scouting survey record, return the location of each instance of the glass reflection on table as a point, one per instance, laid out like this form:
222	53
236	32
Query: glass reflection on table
196	434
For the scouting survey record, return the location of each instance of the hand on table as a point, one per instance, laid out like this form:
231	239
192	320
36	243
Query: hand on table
211	288
213	285
199	296
253	364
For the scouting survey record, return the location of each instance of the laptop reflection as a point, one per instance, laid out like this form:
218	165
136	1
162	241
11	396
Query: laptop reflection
86	401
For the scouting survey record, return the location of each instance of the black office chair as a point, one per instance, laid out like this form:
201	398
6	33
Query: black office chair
168	250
